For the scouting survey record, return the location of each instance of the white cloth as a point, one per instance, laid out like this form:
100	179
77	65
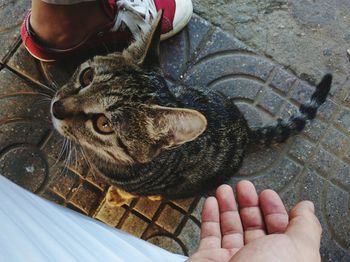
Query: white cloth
34	229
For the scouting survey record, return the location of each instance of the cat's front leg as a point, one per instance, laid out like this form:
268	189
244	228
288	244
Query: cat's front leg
116	197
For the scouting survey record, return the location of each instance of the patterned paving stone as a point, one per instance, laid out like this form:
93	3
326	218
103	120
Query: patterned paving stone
343	120
314	165
169	219
337	212
301	149
270	101
134	225
340	175
109	215
336	141
29	67
190	237
24	165
12	13
283	81
147	207
167	243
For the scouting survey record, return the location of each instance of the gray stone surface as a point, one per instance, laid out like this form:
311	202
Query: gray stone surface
12	13
309	37
275	38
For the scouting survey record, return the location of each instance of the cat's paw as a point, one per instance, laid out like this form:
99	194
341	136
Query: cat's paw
116	197
154	198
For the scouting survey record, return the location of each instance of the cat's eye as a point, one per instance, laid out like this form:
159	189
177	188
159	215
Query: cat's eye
102	125
86	77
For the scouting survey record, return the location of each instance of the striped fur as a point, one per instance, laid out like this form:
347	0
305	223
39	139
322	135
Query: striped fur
174	143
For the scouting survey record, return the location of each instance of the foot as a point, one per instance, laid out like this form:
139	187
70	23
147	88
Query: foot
117	197
66	26
138	15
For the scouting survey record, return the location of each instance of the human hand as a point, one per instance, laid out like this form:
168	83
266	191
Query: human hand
260	230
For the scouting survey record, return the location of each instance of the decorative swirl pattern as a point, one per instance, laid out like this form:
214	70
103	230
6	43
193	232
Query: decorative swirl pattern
313	165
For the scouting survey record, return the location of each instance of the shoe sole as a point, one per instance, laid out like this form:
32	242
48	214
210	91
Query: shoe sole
178	27
39	58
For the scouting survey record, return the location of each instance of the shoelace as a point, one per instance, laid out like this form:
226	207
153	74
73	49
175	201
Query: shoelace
137	15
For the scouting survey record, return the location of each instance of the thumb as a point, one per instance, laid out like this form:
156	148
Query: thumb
304	227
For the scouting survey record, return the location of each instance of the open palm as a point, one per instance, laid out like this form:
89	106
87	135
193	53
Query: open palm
259	230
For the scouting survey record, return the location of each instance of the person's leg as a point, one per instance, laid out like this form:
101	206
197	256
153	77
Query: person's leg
64	26
55	29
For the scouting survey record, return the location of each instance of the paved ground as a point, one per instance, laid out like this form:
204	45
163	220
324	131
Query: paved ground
279	37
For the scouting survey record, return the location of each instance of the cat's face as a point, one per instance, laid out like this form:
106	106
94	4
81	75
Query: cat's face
112	106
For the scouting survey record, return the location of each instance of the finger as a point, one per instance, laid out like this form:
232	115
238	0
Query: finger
251	216
210	227
275	214
304	227
230	221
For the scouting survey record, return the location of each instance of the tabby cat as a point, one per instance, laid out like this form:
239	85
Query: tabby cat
150	141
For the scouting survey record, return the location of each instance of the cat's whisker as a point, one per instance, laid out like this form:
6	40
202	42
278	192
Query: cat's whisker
62	156
42	101
62	152
45	88
67	159
55	85
63	149
85	158
49	96
76	157
45	98
91	166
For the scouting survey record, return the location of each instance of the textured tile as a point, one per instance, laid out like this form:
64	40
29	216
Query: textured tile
11	16
184	204
190	236
343	120
86	197
301	149
314	165
322	161
169	219
302	92
147	207
236	87
64	183
283	81
270	101
336	141
167	243
336	202
25	166
109	215
134	225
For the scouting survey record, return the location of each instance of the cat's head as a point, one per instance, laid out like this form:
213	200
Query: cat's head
111	105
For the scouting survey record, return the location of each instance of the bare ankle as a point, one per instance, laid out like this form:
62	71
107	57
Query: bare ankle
64	26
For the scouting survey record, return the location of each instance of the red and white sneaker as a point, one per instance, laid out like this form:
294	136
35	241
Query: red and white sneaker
129	19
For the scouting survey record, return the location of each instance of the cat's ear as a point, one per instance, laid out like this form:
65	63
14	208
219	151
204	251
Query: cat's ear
177	126
145	51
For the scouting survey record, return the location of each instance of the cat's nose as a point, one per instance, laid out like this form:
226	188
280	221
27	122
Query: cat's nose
58	110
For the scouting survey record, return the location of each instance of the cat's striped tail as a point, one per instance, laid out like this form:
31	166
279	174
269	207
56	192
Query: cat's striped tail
284	129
